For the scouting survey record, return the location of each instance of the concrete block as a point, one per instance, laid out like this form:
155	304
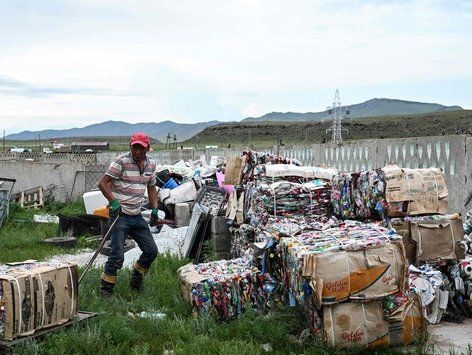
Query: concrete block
182	214
218	225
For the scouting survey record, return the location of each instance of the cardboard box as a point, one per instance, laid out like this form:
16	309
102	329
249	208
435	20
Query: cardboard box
355	324
425	190
403	228
363	324
438	240
363	275
36	296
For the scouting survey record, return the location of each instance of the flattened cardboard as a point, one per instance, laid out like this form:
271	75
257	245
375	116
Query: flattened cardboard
424	189
438	241
358	275
234	169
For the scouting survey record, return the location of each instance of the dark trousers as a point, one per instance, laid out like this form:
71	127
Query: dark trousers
137	228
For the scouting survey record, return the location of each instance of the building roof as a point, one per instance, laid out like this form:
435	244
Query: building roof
90	143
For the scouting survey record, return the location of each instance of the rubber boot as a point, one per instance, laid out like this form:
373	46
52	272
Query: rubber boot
137	276
106	288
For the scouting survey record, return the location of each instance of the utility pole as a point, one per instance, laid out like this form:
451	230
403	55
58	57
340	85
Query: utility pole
4	141
278	143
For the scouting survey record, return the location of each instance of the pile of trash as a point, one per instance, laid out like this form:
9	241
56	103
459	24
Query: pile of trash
370	257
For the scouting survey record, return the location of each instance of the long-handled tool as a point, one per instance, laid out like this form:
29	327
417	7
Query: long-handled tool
104	239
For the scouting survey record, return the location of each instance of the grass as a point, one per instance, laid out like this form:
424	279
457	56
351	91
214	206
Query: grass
117	329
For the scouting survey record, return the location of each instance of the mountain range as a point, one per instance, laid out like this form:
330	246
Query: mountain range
155	130
370	108
184	131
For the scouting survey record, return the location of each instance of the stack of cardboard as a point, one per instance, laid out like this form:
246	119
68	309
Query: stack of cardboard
417	199
35	296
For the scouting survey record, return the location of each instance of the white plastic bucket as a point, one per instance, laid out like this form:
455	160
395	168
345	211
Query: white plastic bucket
94	200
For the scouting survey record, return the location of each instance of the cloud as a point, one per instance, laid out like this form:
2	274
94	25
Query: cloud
70	62
15	87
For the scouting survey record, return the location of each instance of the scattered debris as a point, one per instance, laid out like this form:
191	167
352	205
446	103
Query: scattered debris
45	218
267	348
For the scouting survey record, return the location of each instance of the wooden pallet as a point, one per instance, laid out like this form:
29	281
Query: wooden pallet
8	346
32	198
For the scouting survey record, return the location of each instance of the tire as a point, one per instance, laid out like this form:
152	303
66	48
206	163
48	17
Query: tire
62	242
106	249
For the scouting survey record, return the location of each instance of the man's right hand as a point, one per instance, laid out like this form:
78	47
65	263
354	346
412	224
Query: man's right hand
115	208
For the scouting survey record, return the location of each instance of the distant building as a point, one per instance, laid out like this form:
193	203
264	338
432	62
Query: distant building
82	147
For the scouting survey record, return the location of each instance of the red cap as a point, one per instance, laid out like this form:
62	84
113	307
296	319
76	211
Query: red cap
140	138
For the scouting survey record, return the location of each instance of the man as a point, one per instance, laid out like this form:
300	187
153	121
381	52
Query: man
124	185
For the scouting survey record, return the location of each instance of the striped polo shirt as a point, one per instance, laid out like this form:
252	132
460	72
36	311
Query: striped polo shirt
129	184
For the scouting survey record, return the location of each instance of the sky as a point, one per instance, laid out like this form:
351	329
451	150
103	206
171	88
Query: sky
66	64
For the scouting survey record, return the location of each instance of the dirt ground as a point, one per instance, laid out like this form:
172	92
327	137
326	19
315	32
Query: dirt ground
452	338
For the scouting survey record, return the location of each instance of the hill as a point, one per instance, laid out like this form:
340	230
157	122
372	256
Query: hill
370	108
118	128
263	134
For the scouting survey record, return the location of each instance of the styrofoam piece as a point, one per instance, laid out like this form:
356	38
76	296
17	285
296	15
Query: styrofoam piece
184	193
308	172
94	200
45	218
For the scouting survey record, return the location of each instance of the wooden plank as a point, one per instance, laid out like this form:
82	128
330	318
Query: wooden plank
81	316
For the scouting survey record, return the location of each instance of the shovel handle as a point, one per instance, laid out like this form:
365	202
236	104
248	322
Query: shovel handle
104	239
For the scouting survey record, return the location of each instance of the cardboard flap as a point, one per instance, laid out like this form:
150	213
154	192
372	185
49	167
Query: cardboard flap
434	225
188	274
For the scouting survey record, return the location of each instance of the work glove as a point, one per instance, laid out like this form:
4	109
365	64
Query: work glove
115	208
154	221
